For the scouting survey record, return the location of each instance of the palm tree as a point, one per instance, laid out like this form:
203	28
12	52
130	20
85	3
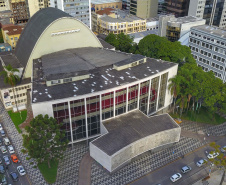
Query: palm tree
10	78
174	88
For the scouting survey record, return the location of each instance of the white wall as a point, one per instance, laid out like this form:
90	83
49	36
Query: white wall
42	108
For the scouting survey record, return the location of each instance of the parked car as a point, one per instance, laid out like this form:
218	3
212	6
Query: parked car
2	168
4	181
21	170
14	158
3	133
185	169
212	155
6	141
11	149
175	177
6	159
3	149
201	162
223	149
14	176
1	126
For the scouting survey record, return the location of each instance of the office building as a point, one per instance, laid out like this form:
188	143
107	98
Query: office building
174	28
214	11
179	8
126	4
36	5
144	8
208	46
76	8
102	4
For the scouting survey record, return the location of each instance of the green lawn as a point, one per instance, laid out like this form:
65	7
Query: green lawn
201	116
15	116
49	173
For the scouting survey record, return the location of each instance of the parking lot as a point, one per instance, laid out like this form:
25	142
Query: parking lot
12	167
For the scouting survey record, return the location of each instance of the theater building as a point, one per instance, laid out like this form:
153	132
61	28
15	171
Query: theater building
81	84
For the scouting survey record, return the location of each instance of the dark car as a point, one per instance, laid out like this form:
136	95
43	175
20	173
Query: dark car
14	176
6	159
2	169
2	133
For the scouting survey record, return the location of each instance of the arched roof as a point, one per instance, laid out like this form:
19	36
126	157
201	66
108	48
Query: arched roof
33	30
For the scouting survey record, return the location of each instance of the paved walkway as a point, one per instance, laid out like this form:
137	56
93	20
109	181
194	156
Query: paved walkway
84	176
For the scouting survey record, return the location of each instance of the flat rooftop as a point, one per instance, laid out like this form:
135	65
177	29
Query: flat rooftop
211	30
128	18
8	57
185	19
128	128
104	1
102	77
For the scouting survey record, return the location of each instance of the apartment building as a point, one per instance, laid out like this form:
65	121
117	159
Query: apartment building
214	11
11	34
36	5
208	46
19	11
144	8
102	4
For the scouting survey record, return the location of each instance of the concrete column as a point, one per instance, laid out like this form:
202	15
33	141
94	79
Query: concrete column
127	93
69	110
86	119
149	93
138	97
114	105
100	108
157	103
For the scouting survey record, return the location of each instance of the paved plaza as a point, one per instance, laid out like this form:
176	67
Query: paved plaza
147	162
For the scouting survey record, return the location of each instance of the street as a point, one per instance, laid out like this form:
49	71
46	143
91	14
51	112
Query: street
163	174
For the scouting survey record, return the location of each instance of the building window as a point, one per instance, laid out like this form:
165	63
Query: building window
132	97
153	94
162	90
144	89
120	101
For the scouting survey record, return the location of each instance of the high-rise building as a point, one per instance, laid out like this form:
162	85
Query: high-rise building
126	4
208	47
177	7
4	5
20	11
174	28
144	8
76	8
214	11
36	5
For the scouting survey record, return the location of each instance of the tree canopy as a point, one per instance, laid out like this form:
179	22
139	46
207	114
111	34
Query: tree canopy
44	141
191	85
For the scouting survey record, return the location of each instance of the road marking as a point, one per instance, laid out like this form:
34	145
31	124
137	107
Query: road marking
28	179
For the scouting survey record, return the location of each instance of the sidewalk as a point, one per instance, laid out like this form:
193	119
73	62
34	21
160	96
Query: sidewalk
214	179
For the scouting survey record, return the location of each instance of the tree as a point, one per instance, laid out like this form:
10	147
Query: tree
220	160
10	78
44	141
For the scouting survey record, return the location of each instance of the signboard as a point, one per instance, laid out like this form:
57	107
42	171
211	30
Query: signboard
64	32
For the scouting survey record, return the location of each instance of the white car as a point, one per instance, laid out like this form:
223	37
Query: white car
223	149
175	177
1	126
201	162
21	170
6	141
11	150
3	149
212	155
185	169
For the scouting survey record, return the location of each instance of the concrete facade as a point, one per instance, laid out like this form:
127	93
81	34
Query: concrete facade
83	37
122	157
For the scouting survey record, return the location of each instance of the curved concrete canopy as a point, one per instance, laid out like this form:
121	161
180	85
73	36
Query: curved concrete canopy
51	30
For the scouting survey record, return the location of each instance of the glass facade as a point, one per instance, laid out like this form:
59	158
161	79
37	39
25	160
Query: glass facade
162	90
144	96
85	113
153	95
120	101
